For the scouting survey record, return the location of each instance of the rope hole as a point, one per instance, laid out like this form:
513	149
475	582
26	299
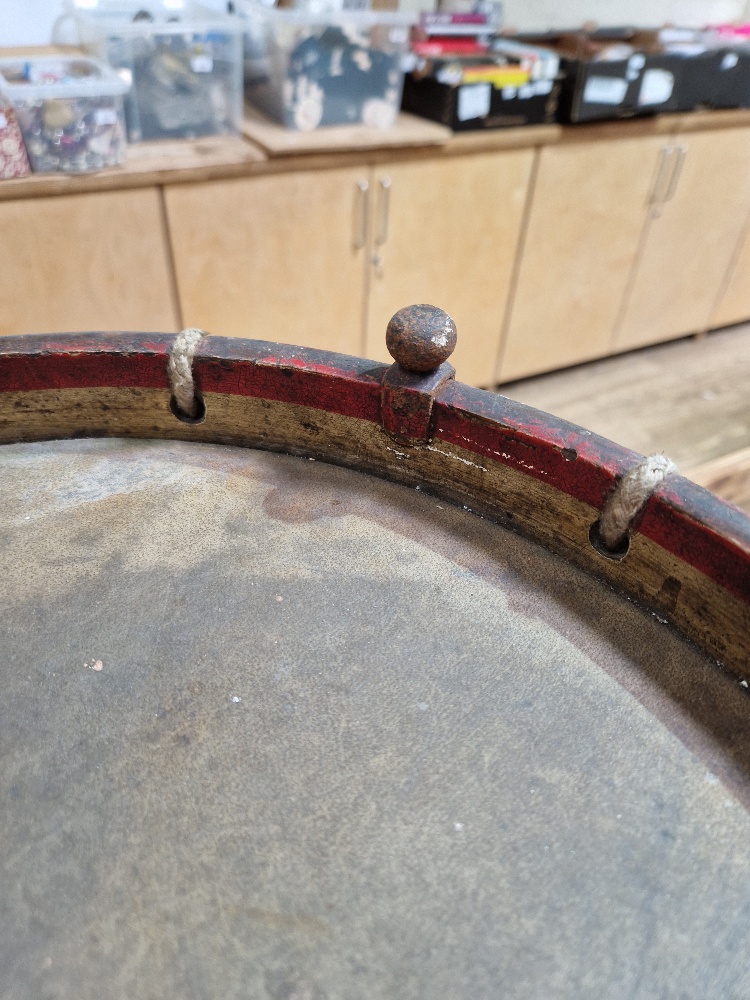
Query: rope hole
200	410
597	542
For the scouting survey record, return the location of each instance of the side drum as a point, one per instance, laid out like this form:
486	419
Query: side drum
320	682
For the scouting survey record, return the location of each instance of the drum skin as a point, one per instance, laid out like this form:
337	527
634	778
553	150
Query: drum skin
275	728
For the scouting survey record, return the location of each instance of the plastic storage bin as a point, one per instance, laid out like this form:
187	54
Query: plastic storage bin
335	68
184	61
70	111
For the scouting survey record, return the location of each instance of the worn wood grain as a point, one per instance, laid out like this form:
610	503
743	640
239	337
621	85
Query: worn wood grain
727	476
687	399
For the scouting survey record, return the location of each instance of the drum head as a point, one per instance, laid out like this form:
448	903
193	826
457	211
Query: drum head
271	728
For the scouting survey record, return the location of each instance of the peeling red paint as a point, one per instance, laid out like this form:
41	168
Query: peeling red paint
685	520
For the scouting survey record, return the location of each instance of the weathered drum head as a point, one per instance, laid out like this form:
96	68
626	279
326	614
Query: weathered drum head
271	728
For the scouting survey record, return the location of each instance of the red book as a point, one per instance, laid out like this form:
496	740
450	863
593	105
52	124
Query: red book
436	47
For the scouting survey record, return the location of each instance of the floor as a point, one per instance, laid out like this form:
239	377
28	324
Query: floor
688	399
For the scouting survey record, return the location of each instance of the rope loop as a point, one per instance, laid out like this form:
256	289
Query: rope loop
180	371
629	498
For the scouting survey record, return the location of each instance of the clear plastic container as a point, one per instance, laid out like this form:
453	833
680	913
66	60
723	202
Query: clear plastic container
70	110
184	62
306	69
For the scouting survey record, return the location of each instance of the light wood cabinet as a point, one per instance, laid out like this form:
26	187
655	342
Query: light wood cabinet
85	262
733	301
446	231
324	258
599	240
581	243
690	238
280	257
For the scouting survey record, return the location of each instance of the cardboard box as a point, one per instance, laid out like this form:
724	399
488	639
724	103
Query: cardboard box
480	104
597	85
506	84
716	70
715	79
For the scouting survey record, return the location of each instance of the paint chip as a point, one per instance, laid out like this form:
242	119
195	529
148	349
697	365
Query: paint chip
236	699
458	827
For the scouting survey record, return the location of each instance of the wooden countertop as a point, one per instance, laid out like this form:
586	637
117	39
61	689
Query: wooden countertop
408	131
184	161
266	147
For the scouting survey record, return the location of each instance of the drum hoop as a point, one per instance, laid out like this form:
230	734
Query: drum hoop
688	559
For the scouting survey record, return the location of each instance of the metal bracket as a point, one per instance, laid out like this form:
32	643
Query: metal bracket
406	400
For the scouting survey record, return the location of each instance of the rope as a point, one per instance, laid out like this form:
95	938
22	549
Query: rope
629	497
180	370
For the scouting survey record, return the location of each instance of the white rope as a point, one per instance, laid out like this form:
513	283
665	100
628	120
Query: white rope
180	370
631	493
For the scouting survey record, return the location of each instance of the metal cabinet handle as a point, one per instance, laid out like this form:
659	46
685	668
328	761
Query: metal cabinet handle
384	199
656	191
676	171
361	197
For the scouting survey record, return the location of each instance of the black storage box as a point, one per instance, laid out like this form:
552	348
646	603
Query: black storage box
718	78
645	82
467	106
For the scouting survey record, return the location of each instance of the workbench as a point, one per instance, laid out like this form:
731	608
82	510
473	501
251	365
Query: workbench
549	245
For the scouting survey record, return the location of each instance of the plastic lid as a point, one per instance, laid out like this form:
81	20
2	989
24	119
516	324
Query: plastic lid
45	77
135	18
318	14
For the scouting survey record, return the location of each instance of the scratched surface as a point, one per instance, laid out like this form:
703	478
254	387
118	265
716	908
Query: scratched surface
274	729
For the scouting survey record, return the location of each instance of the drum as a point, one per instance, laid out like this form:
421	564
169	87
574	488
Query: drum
322	680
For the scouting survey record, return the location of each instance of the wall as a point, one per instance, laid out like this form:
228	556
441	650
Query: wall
541	14
29	22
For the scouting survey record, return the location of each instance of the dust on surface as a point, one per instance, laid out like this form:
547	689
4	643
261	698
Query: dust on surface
423	773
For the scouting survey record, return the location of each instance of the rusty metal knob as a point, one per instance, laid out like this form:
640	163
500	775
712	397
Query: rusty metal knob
420	337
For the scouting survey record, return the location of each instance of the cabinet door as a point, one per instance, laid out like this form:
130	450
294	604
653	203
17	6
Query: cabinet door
733	305
691	239
445	231
587	214
85	262
278	257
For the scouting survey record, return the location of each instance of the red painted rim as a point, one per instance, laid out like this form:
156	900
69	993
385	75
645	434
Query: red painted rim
684	519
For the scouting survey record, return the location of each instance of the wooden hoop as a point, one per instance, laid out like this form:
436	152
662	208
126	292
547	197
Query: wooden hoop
688	560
